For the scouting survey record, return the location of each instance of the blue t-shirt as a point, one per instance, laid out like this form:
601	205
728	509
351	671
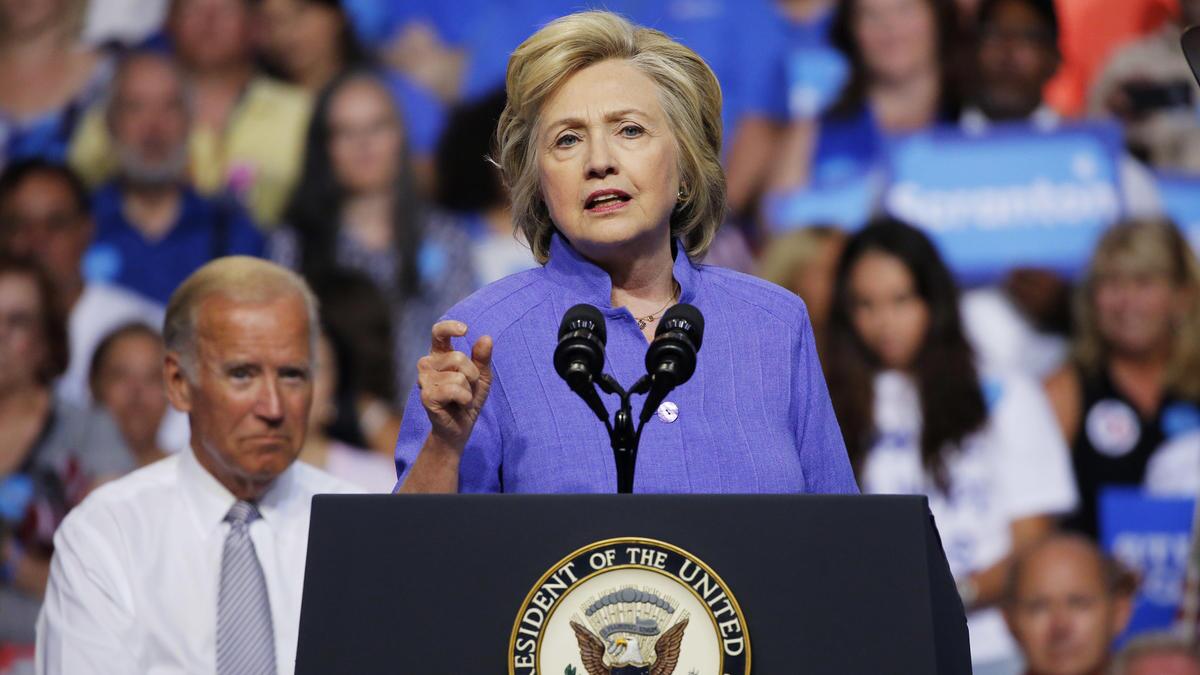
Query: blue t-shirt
205	229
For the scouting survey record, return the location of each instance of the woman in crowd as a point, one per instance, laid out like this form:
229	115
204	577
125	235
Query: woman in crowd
1134	383
47	78
311	42
126	378
804	261
356	207
470	187
358	321
919	420
51	453
902	59
369	470
610	145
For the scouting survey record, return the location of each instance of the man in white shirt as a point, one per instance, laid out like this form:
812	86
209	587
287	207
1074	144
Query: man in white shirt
195	563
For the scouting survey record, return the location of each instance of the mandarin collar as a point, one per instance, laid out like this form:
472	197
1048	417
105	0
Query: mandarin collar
584	281
211	501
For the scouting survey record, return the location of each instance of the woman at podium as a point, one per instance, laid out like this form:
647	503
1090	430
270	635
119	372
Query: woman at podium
610	146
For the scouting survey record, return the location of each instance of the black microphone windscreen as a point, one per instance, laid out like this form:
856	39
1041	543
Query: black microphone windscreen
1190	41
686	318
584	316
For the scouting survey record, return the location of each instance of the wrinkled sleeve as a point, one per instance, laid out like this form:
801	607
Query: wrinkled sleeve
818	436
86	625
479	471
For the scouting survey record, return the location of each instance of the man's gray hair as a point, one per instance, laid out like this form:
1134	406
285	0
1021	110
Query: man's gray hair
1150	644
239	278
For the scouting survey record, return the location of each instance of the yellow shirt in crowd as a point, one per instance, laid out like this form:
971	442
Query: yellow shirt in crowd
257	157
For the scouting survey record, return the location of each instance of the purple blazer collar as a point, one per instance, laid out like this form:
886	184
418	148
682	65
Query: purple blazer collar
584	281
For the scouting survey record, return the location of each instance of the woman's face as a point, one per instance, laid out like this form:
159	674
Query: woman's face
897	38
365	137
130	384
1135	311
607	161
301	36
888	314
22	345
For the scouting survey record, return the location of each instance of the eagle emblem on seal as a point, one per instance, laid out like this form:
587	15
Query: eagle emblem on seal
630	631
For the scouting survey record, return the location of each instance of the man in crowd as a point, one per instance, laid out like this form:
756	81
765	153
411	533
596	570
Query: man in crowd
1017	53
1065	603
1157	654
226	521
153	228
247	136
44	214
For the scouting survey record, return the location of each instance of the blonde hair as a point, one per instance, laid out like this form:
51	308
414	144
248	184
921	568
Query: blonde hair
785	255
240	278
688	92
1153	247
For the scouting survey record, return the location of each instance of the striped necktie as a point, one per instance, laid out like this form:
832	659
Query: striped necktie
245	637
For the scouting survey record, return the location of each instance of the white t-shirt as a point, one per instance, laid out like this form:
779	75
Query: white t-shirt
1015	467
1174	468
1004	340
101	309
137	567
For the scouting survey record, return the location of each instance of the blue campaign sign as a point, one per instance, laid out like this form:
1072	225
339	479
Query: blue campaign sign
1151	535
846	203
1180	195
1012	195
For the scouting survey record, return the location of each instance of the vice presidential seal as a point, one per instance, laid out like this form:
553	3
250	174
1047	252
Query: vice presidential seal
630	607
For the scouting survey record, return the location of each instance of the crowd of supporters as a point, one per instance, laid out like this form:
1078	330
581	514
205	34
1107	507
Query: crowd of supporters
349	140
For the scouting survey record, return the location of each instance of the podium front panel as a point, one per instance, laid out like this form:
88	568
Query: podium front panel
431	585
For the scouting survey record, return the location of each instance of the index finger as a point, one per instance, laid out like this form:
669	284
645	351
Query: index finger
443	331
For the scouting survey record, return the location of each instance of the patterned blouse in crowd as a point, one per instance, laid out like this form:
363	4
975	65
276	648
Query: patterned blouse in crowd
447	275
75	448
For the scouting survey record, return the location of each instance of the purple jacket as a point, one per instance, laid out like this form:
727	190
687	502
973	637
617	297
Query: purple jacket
755	417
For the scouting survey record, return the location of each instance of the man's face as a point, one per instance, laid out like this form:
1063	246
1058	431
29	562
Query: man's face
41	219
248	399
1017	56
1063	615
149	121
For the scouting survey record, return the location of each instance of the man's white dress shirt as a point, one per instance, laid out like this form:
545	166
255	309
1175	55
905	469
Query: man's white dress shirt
134	578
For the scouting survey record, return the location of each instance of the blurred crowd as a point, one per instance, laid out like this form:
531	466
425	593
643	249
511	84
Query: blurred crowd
349	140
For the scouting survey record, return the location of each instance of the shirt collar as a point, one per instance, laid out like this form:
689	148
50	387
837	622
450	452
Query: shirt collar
211	501
584	281
1043	118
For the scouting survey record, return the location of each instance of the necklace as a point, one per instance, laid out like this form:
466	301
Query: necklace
644	321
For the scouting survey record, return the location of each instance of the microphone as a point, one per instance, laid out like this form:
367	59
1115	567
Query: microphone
671	357
579	356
